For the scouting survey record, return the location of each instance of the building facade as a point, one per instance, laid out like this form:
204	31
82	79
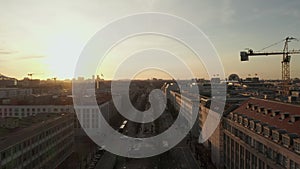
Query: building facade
262	134
21	111
42	142
14	92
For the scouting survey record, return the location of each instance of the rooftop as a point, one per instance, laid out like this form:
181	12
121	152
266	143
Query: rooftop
28	127
280	115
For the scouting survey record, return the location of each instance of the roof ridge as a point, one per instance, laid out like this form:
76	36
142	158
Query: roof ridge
274	101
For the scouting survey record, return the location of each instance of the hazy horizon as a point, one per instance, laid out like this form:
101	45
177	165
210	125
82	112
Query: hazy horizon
46	38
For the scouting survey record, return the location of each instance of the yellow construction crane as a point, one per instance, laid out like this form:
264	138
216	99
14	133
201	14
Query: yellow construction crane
286	75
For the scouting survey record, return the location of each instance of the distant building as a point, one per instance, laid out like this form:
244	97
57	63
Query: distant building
9	123
234	78
215	80
26	82
251	80
214	144
7	81
262	134
168	87
41	141
21	111
14	92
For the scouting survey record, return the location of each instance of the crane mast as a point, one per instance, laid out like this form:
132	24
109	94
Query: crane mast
285	63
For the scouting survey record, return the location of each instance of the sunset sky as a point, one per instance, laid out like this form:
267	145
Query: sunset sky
47	37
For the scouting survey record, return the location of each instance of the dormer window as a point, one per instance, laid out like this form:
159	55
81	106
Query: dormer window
241	119
297	145
286	141
231	116
266	132
267	111
253	124
261	109
284	115
294	118
235	117
245	122
258	128
275	113
249	105
277	135
254	107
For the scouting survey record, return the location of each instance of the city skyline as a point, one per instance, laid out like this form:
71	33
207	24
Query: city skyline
49	44
150	84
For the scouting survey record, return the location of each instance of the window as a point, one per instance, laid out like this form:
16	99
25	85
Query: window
240	119
286	140
294	165
266	131
245	122
3	155
252	125
231	116
297	146
281	160
275	136
235	117
258	128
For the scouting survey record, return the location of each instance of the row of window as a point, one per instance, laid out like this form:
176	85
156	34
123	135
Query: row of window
268	152
55	132
238	157
37	160
32	109
279	136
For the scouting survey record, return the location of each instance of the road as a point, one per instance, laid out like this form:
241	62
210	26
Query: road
179	157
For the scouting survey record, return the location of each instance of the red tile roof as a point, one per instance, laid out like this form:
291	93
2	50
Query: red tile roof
275	121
